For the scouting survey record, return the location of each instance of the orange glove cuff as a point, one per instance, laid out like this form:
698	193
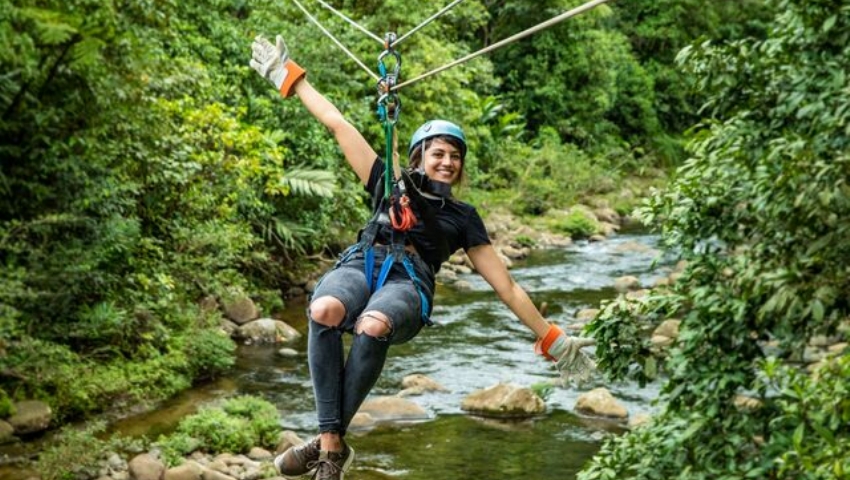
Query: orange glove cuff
295	73
541	346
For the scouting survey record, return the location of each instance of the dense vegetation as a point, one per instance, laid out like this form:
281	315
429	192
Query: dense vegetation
145	167
759	211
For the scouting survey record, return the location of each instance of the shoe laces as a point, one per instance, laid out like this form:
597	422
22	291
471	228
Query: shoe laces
327	469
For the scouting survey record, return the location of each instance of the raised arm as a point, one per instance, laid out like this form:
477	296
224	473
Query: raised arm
359	154
273	63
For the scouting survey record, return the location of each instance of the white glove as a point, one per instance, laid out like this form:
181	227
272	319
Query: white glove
573	364
274	64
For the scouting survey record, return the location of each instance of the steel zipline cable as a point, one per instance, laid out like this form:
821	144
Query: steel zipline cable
337	42
367	32
568	14
428	20
513	38
352	22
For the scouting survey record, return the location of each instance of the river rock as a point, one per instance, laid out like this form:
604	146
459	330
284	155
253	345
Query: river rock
146	467
504	400
241	310
287	439
607	214
639	420
188	471
393	409
600	402
514	253
626	283
7	433
267	330
288	353
362	421
216	475
634	247
668	328
418	384
208	304
587	314
259	454
30	416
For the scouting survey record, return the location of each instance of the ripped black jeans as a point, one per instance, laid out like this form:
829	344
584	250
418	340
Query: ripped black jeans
340	384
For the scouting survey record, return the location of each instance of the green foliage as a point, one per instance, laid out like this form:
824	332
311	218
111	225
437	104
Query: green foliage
578	77
756	212
810	437
209	353
73	452
7	408
150	167
543	390
576	222
235	426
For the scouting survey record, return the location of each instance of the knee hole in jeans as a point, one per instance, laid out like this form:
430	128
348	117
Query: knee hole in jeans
327	311
374	324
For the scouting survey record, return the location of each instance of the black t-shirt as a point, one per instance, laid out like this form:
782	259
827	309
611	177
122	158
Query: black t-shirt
442	227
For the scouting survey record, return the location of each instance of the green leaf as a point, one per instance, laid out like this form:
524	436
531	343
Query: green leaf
817	310
797	438
829	23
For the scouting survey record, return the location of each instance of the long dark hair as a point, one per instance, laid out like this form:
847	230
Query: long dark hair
415	161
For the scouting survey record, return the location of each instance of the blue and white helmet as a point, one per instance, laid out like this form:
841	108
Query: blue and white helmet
437	128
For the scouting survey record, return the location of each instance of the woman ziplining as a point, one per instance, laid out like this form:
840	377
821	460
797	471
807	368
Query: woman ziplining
382	288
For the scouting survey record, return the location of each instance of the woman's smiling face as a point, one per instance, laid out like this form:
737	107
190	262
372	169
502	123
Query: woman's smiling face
442	161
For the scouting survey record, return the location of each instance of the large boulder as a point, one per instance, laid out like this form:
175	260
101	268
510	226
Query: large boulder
393	409
146	467
599	402
266	330
31	416
504	400
241	309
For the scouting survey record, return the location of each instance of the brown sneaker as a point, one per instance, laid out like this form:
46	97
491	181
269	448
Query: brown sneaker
298	459
333	465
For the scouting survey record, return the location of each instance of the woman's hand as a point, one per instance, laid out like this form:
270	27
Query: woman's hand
274	64
573	364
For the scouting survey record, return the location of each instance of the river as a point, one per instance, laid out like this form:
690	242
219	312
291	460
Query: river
475	343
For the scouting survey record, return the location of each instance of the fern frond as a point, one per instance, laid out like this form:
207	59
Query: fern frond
320	183
53	27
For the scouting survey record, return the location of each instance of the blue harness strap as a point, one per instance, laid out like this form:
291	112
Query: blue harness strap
396	253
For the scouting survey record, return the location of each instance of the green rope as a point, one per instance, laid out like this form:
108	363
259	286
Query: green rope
388	160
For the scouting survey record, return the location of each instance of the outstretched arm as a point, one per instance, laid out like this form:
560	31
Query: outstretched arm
273	63
552	342
488	264
359	154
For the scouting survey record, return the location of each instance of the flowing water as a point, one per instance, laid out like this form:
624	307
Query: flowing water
476	343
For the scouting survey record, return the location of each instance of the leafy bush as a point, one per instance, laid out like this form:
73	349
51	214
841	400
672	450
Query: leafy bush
209	353
576	223
73	453
235	426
